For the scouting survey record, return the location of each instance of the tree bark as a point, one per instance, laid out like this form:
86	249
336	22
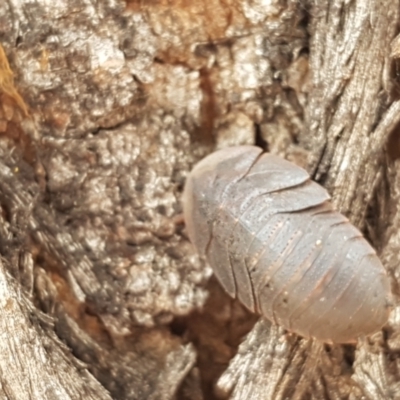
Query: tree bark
105	106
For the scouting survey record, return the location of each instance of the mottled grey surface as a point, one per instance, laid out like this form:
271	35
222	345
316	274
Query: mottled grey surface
115	196
352	111
113	193
123	99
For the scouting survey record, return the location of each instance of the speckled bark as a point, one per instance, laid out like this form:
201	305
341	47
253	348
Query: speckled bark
352	110
123	98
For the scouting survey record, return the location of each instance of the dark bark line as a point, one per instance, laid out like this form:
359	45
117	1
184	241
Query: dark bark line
351	109
28	336
349	116
350	113
41	367
139	370
111	299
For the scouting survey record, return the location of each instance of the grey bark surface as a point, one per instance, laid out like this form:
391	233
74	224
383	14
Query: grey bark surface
102	294
351	112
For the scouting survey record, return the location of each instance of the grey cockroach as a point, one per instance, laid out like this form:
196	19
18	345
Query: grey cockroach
275	242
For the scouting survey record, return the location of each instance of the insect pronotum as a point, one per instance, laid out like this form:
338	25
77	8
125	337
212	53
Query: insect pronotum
275	242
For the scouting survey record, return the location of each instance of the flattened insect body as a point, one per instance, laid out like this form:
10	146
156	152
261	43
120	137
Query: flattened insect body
275	242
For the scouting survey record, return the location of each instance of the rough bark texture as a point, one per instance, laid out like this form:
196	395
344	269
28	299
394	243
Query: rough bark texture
102	294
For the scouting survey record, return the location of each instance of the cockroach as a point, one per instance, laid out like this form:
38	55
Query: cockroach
276	243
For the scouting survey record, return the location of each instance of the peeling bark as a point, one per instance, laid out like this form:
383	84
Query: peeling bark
103	295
